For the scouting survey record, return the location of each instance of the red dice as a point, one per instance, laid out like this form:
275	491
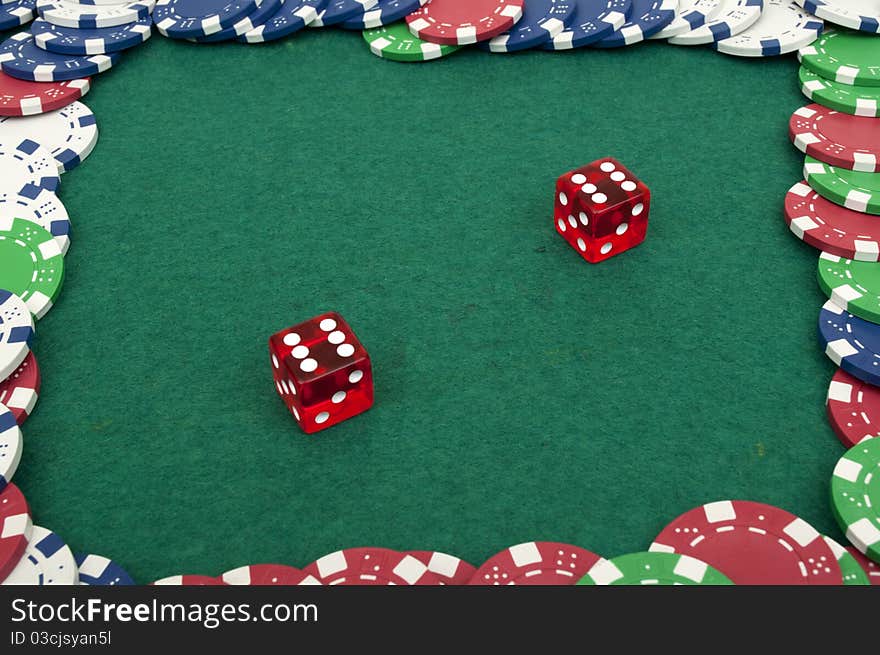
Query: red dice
321	371
601	209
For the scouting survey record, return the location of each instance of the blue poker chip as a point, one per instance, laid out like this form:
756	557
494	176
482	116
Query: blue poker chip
20	57
850	342
96	41
338	11
540	22
647	18
293	16
186	19
264	12
384	13
95	570
17	13
593	20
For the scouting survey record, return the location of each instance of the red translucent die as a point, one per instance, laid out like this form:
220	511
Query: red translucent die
601	209
321	371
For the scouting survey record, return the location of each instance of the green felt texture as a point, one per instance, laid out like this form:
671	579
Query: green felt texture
521	393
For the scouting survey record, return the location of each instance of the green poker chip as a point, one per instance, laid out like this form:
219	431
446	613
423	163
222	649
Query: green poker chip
845	57
396	42
653	568
855	496
856	100
31	264
856	190
853	573
852	285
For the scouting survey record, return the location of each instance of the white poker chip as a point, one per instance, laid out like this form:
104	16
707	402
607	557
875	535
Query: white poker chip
70	133
862	15
47	561
10	445
24	161
690	15
73	14
40	206
734	16
782	28
16	331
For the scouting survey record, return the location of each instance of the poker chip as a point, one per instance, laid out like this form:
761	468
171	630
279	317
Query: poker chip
829	227
850	342
449	569
536	563
183	19
855	100
452	22
648	17
655	568
689	15
853	409
371	566
19	391
855	496
734	17
338	11
98	571
40	206
31	264
836	138
16	331
752	544
853	189
852	572
853	286
397	43
593	20
25	162
17	13
541	21
384	12
845	57
46	561
96	41
20	57
782	28
26	98
863	15
266	10
290	18
871	569
257	575
66	13
70	133
189	580
15	528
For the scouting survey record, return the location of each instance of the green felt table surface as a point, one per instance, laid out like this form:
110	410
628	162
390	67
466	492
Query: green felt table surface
521	393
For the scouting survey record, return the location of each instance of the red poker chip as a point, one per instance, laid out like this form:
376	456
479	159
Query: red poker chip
19	392
263	575
871	568
536	563
752	544
853	408
458	22
25	98
371	566
836	138
190	581
830	227
15	528
450	569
